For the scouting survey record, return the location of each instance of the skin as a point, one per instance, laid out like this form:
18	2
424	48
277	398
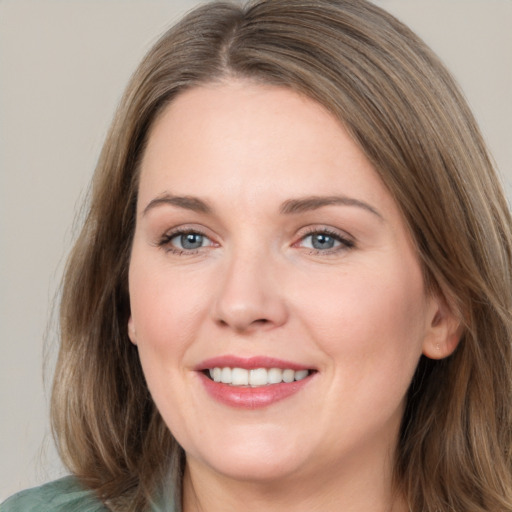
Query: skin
357	313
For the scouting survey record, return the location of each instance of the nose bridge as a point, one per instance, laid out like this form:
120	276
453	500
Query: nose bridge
249	296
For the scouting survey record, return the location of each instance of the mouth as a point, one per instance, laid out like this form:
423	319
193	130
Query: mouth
254	382
257	377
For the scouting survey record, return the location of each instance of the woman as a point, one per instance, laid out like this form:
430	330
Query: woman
293	286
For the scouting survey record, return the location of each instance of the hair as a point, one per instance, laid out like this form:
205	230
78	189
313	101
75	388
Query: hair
403	109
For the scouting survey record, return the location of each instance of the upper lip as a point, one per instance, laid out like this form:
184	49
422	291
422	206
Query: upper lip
249	363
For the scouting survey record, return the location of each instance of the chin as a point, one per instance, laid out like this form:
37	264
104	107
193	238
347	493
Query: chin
263	469
258	460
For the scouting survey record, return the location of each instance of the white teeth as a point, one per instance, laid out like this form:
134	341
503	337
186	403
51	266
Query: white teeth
225	375
256	377
239	377
217	372
288	375
302	374
275	375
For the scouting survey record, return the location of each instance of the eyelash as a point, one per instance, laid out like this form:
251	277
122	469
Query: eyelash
165	241
345	243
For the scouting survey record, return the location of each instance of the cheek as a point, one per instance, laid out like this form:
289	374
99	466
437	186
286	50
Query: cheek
371	321
165	310
165	319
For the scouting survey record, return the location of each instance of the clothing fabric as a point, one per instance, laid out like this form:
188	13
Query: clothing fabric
63	495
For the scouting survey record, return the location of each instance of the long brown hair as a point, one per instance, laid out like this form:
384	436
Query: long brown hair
406	113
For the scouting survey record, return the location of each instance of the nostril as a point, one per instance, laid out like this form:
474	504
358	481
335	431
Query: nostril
240	325
247	311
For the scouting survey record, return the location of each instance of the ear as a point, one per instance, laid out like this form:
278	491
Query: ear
131	331
443	331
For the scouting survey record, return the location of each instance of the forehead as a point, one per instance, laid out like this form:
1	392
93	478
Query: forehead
247	140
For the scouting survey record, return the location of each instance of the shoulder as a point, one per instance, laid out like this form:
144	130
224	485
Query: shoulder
64	495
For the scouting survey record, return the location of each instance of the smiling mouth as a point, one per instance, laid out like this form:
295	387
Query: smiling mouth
256	377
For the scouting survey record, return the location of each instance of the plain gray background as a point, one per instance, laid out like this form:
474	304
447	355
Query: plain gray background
63	66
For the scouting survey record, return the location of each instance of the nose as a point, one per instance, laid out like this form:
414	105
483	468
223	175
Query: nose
250	296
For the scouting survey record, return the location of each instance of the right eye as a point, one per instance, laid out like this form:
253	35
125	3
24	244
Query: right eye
183	242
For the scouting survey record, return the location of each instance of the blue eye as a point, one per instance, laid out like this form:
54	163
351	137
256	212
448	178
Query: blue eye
189	241
184	241
323	241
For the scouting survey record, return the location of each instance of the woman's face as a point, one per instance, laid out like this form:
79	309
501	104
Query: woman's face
268	254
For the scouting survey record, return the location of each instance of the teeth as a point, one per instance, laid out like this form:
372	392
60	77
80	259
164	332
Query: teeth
275	375
239	377
225	375
256	377
288	375
216	374
302	374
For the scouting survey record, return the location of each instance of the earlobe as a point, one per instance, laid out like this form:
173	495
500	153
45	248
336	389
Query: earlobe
444	331
131	331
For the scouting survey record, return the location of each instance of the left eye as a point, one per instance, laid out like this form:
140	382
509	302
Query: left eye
189	241
321	241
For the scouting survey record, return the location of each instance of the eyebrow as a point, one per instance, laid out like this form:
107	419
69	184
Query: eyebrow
315	202
186	202
289	207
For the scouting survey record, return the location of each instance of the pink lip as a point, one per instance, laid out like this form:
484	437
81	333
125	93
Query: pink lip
251	398
247	397
249	363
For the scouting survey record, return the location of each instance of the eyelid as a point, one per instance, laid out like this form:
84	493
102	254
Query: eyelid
164	241
346	240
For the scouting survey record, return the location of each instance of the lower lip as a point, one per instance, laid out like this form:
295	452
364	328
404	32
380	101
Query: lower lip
252	398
